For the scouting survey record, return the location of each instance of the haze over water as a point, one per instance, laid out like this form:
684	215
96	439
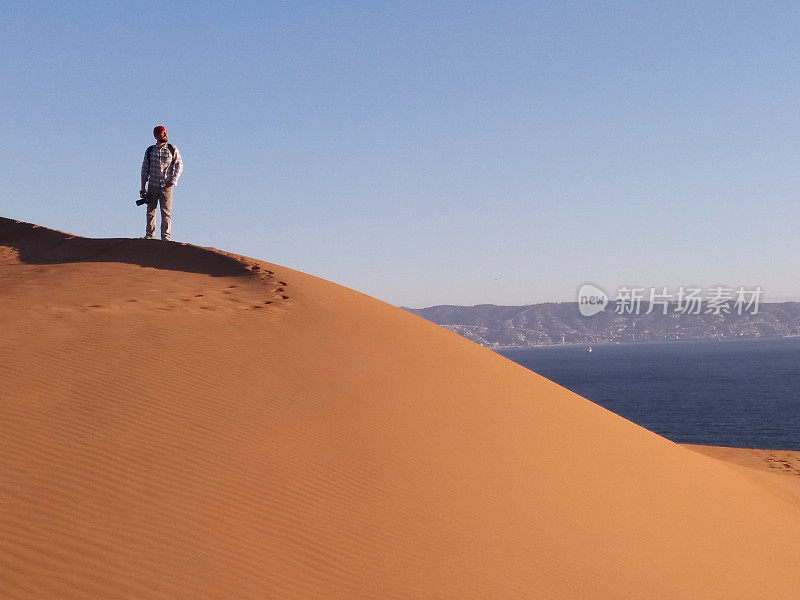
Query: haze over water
742	393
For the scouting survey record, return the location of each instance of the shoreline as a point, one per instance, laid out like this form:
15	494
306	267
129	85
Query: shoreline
642	342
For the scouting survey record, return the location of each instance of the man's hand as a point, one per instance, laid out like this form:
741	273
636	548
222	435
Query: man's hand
169	185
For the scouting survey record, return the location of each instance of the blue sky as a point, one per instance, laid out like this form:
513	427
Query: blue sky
424	152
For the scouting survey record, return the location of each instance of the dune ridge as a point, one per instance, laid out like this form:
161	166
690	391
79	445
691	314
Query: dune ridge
39	245
164	438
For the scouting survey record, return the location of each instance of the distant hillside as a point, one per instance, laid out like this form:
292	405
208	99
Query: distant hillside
556	323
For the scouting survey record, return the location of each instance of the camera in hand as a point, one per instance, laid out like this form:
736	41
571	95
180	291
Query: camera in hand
142	198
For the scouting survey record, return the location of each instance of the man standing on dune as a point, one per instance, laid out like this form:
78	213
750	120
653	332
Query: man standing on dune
161	168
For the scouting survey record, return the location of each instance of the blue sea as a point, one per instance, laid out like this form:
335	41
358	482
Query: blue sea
742	393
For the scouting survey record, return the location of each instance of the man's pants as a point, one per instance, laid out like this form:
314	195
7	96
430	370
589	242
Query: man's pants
154	196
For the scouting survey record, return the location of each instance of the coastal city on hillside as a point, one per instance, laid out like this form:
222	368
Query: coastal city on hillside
561	323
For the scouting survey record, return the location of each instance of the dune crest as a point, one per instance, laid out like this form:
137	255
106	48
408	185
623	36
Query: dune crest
164	438
38	245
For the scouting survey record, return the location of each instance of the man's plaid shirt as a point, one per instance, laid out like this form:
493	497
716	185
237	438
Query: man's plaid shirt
156	165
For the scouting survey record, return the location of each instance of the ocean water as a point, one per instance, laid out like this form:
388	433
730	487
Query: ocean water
742	393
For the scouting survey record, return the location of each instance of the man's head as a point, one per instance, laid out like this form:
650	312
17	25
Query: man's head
160	133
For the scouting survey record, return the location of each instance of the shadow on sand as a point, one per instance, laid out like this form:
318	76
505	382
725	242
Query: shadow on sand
39	245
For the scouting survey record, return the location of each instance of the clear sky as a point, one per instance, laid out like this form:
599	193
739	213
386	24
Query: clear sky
424	152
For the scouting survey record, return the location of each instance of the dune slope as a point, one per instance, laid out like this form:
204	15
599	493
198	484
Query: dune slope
183	423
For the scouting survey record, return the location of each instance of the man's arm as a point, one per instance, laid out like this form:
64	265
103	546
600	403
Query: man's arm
145	168
177	169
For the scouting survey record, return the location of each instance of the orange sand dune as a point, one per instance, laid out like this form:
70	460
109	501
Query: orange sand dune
755	463
182	423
